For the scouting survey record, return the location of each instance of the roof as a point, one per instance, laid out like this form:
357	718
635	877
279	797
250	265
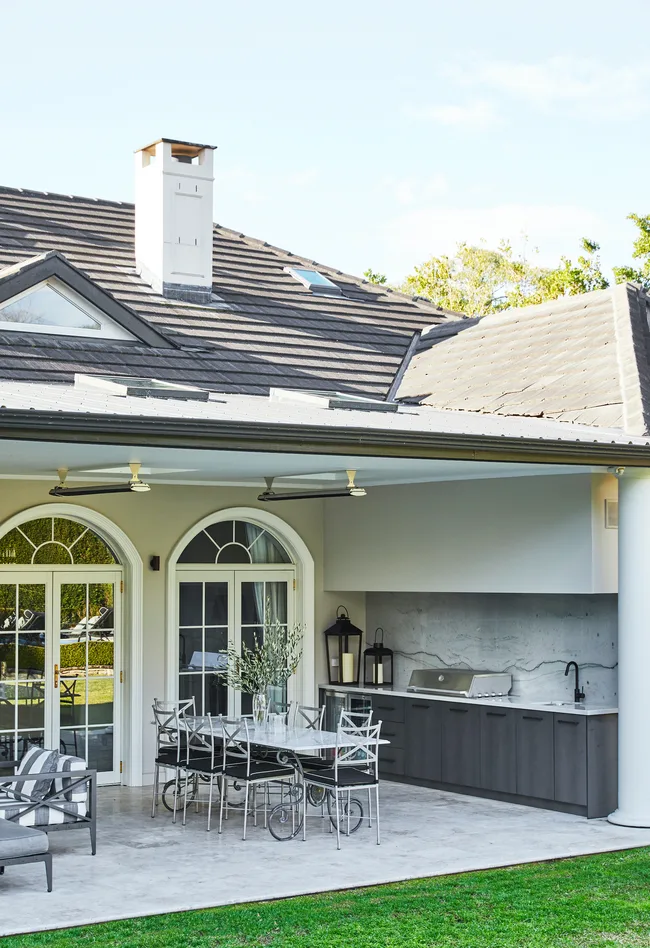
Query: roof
50	412
583	359
263	328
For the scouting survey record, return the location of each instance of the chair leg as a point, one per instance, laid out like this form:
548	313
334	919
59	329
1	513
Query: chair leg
222	797
338	829
154	802
210	801
47	858
377	815
246	809
348	812
304	811
187	780
93	834
176	787
369	808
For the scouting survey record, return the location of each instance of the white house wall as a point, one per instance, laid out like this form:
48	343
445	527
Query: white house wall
509	535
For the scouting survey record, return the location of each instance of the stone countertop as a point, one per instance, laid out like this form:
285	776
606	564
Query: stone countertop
509	701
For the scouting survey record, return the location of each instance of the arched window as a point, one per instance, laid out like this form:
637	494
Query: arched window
234	542
54	541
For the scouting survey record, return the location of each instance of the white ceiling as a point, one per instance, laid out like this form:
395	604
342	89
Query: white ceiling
106	463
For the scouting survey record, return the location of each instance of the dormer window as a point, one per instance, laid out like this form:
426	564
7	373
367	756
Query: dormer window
52	307
314	281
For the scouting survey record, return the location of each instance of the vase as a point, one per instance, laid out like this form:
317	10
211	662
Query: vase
260	707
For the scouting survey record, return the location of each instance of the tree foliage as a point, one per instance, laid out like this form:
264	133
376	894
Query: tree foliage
641	252
373	277
478	281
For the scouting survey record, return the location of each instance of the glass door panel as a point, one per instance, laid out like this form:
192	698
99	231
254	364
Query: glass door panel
204	631
87	611
262	599
24	660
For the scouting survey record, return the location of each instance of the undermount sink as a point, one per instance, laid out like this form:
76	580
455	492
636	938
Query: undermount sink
563	704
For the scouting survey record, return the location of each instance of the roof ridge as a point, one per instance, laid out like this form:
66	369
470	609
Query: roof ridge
32	192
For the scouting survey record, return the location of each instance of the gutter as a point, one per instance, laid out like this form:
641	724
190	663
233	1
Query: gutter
28	425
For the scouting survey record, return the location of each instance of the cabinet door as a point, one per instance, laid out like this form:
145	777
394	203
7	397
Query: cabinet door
535	757
570	759
423	740
498	752
461	745
387	707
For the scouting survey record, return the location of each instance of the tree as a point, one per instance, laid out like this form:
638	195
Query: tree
641	252
373	277
477	281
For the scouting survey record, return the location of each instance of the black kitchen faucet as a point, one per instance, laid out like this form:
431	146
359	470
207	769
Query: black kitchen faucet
578	695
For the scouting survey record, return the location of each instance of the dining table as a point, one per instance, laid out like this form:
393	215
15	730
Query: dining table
289	744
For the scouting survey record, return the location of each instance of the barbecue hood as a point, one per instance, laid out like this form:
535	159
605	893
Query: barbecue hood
460	682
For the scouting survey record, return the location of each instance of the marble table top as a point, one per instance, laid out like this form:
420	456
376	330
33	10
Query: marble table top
294	739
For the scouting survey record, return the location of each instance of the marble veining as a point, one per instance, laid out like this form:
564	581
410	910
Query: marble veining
530	636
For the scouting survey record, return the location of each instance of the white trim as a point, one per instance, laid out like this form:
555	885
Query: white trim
132	617
303	563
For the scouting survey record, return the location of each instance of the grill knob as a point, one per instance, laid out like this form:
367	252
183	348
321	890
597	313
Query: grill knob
441	677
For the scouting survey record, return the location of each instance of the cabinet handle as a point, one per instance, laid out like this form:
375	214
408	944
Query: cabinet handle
531	717
564	721
425	706
495	714
388	760
459	710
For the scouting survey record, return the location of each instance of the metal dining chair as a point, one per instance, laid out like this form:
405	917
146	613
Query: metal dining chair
355	767
203	758
170	740
241	767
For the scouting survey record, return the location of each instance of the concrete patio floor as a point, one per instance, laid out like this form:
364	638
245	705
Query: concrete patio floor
146	867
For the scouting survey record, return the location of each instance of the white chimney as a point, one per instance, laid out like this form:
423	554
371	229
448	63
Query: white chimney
173	218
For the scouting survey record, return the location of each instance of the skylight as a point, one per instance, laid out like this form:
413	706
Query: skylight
139	387
52	307
314	281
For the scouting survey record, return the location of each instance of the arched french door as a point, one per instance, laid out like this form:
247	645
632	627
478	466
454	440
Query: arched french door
60	642
224	576
233	576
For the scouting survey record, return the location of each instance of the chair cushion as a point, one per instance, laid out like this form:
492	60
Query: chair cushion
16	841
43	815
68	765
36	761
259	770
347	777
204	765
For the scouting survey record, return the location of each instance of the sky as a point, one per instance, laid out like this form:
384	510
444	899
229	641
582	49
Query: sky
360	134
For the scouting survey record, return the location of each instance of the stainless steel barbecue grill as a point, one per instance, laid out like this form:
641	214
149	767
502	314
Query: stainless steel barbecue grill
460	682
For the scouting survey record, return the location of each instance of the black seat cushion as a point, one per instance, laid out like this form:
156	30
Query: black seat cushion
347	777
259	770
204	765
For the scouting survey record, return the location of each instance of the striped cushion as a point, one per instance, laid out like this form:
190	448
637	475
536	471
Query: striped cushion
36	761
67	764
42	815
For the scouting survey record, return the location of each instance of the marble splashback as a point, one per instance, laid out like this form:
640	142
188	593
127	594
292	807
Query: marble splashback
530	636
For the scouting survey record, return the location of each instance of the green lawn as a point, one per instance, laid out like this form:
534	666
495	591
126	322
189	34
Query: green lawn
591	902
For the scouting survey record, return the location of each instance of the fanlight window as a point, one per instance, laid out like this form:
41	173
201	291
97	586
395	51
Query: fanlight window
53	307
234	542
54	541
47	307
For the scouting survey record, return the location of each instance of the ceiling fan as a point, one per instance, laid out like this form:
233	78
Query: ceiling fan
135	484
351	490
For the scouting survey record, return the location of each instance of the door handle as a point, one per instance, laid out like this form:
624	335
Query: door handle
56	676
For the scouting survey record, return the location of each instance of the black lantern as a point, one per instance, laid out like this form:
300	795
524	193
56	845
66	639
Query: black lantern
343	642
378	663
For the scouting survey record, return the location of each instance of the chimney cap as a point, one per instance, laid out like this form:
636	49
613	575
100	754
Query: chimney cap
191	149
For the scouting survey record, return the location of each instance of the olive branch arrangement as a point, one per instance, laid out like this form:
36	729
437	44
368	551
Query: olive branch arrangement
272	661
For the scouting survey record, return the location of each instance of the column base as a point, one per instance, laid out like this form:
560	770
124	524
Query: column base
625	818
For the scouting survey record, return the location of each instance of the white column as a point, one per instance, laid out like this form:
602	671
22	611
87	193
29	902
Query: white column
633	649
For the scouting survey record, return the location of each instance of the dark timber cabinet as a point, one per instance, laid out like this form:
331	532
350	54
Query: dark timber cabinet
541	758
535	754
423	735
498	749
461	745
